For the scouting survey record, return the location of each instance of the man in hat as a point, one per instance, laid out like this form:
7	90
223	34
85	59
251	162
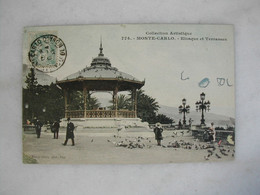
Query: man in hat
158	133
180	125
69	133
213	132
38	128
55	129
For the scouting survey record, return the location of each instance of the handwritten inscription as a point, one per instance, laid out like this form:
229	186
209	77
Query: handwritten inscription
221	82
206	81
184	78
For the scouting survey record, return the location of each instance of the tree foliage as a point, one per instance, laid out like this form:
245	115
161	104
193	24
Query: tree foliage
123	102
43	101
46	102
147	107
31	80
161	118
76	101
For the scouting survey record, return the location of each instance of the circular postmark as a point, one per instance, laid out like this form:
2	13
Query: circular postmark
47	53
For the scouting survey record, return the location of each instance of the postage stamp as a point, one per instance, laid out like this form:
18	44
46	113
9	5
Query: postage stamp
47	53
128	94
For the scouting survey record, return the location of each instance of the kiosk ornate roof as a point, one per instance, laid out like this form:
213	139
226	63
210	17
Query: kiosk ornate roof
100	60
100	69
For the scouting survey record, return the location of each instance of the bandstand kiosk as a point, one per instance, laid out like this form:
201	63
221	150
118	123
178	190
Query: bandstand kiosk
101	76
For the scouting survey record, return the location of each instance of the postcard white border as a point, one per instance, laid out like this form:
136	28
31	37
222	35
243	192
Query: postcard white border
238	177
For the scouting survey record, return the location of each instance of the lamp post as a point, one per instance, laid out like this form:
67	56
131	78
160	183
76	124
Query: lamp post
44	110
202	106
184	109
26	106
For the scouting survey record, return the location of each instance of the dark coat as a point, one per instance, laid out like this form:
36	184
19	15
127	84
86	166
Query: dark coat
38	125
158	133
56	127
70	129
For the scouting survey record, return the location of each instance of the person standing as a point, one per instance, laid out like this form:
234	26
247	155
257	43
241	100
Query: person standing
180	125
213	132
56	127
190	122
158	133
69	133
38	128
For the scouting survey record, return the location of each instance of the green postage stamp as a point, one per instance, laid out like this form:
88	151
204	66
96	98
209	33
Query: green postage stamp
128	94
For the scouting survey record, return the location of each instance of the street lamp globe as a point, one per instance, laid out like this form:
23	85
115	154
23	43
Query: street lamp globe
184	101
202	96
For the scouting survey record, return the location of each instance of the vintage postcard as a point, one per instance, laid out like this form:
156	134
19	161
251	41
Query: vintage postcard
128	94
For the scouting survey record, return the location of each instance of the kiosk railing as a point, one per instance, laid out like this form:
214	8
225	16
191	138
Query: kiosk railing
100	114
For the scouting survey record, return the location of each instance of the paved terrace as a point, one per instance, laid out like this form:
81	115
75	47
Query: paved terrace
132	146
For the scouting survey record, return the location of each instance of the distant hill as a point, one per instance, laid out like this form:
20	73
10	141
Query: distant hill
172	112
219	120
42	78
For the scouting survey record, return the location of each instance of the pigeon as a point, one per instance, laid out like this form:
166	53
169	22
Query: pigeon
210	152
222	152
182	133
121	144
206	158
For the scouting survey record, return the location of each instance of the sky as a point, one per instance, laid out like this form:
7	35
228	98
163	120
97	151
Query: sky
176	61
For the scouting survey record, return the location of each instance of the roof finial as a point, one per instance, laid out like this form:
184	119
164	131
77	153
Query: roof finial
101	48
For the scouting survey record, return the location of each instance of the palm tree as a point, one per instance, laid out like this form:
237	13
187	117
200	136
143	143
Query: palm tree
93	103
123	102
146	106
77	101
